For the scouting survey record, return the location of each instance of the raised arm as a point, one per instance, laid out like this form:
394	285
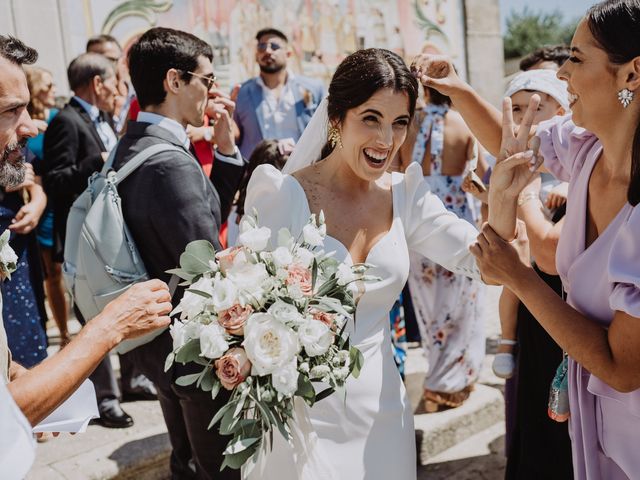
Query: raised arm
483	119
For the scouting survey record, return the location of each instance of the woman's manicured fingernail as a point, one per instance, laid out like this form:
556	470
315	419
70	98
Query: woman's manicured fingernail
528	154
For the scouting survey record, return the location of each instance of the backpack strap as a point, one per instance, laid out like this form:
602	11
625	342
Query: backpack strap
141	157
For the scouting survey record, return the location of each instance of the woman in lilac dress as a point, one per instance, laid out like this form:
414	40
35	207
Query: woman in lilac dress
597	150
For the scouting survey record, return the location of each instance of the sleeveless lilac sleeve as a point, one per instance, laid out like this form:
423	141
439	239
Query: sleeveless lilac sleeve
624	267
562	145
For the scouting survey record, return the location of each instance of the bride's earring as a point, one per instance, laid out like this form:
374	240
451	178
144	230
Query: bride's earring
626	97
334	137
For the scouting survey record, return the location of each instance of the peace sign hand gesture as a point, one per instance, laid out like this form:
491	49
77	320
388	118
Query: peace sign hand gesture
518	159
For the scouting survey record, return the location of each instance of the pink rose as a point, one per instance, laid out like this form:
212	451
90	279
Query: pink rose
327	318
300	276
232	368
225	258
234	318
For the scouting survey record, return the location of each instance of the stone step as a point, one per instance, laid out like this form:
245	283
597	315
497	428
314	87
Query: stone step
481	456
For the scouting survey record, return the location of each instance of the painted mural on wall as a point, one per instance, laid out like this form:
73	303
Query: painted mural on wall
321	32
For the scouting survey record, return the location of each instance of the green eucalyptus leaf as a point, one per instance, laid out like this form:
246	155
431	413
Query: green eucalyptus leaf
179	272
356	360
324	393
189	352
305	389
186	380
199	292
169	361
237	460
220	413
215	389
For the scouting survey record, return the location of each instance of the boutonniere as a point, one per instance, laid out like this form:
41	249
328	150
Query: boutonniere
8	258
307	98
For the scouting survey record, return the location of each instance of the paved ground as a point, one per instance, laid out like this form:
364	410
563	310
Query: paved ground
104	453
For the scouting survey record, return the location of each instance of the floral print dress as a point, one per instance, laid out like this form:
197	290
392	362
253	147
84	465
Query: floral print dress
448	306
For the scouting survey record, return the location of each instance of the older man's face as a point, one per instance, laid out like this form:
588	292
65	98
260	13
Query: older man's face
16	125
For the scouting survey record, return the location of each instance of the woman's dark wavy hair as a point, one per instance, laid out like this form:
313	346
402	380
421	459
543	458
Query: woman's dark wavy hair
615	25
361	75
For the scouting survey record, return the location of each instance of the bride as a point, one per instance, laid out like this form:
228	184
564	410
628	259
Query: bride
340	167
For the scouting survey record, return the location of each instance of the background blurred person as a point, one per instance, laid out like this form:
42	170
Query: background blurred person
448	307
109	47
276	104
41	108
549	57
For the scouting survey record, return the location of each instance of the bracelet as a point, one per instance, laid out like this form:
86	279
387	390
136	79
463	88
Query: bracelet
522	199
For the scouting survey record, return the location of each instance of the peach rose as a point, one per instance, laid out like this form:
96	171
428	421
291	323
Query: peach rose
327	318
234	318
232	368
300	276
226	257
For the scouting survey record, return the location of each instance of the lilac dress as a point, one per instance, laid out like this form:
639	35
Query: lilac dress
600	280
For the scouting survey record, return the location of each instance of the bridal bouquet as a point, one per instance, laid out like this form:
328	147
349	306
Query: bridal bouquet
265	324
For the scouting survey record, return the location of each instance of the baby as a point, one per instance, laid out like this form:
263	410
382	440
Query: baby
553	101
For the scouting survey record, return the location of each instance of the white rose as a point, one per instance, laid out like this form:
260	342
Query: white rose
269	343
286	313
285	379
8	256
285	239
225	293
304	257
344	274
213	341
255	239
282	257
295	292
313	235
248	276
191	303
182	332
315	337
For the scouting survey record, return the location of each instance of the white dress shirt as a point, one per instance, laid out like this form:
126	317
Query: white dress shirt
280	119
105	132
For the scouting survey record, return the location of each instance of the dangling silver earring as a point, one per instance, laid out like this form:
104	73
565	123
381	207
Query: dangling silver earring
626	97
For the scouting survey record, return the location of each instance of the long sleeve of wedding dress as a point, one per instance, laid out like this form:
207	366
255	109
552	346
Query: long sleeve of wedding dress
431	230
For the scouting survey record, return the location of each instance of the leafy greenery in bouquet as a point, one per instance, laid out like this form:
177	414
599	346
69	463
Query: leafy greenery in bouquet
266	325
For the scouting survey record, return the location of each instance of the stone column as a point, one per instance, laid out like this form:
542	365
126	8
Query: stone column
485	57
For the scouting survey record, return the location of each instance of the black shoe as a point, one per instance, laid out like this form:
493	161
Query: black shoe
141	388
112	415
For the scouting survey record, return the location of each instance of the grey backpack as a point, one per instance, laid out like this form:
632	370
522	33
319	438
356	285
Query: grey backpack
101	260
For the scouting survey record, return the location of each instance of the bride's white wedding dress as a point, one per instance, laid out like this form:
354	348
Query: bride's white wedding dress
371	434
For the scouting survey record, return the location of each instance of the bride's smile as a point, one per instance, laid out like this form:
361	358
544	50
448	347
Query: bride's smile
372	133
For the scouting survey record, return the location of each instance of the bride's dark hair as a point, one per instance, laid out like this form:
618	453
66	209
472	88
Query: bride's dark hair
361	75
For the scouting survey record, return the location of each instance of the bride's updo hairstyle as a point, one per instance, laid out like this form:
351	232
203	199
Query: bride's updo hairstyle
615	25
360	76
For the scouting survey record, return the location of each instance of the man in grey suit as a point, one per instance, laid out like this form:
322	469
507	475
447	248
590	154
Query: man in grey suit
276	104
168	202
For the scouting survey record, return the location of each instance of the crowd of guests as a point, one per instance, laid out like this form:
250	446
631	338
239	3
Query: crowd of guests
164	92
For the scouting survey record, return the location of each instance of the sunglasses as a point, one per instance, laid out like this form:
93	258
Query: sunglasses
208	80
262	46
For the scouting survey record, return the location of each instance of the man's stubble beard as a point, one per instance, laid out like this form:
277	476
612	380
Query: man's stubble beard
12	173
275	68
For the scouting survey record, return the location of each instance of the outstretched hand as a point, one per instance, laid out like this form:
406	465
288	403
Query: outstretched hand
142	309
518	160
